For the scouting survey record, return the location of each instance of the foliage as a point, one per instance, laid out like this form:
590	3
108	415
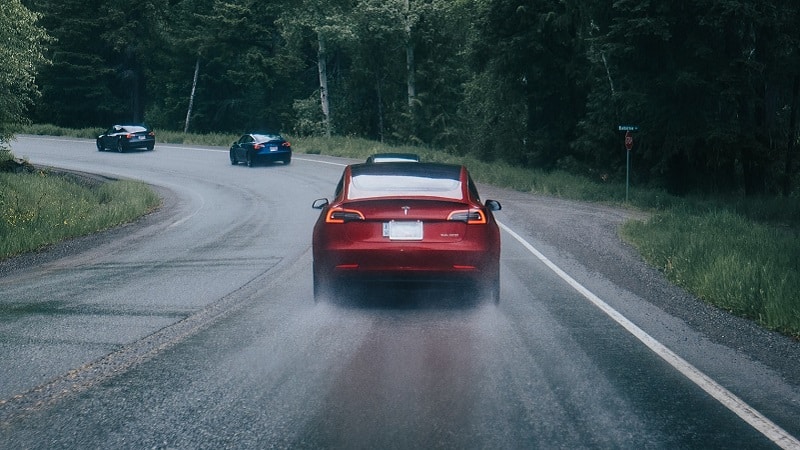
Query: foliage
525	52
708	83
714	85
246	79
22	48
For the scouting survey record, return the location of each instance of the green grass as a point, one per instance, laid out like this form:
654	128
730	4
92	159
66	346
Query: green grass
740	254
748	268
52	130
40	209
211	139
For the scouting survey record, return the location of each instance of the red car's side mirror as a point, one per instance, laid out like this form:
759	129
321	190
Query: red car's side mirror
320	203
493	205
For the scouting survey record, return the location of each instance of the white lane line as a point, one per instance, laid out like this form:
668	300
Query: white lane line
185	219
757	420
199	149
331	163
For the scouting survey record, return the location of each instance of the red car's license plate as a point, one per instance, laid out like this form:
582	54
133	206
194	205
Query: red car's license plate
403	231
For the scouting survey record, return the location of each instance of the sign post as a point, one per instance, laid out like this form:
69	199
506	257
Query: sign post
628	147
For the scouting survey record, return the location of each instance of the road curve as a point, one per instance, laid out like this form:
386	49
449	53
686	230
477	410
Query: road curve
196	328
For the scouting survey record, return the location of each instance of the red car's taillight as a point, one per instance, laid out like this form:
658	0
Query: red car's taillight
470	216
341	215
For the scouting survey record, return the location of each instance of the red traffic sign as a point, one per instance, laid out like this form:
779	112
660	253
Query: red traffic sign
628	140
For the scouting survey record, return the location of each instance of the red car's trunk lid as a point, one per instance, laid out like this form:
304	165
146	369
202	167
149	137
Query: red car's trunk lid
405	220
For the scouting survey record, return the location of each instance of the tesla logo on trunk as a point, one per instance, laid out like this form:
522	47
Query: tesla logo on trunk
405	210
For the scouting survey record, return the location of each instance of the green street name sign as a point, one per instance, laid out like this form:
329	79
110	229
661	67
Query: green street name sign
629	128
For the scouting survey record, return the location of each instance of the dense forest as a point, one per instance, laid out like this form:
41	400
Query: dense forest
712	85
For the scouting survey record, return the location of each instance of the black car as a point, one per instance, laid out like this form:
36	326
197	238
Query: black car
126	137
254	148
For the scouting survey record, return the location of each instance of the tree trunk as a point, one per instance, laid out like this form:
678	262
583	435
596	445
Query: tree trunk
788	170
379	95
136	95
412	84
137	80
608	75
411	80
753	170
191	96
322	68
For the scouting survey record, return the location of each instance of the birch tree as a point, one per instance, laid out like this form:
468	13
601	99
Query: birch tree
328	23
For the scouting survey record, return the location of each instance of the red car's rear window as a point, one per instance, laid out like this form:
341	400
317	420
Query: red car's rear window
405	180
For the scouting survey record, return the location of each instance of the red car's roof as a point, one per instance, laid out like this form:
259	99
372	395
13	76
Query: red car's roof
405	180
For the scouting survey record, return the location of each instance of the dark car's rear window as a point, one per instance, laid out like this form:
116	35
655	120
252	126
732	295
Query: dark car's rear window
405	180
134	129
266	137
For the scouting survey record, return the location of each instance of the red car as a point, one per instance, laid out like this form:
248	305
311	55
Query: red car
400	221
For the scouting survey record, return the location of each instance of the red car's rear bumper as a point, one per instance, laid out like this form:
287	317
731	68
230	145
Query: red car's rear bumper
408	261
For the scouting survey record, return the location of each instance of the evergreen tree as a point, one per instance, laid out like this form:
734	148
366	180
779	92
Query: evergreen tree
439	36
701	79
180	67
247	79
133	33
530	66
75	91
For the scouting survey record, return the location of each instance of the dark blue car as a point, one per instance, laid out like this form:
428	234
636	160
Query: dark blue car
255	148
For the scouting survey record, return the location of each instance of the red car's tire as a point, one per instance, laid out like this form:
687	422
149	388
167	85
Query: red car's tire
322	284
490	289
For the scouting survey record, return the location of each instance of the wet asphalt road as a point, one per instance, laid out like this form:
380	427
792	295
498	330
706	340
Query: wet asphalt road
196	328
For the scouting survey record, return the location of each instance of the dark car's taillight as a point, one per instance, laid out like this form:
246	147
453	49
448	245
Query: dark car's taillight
258	146
286	144
341	215
470	216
